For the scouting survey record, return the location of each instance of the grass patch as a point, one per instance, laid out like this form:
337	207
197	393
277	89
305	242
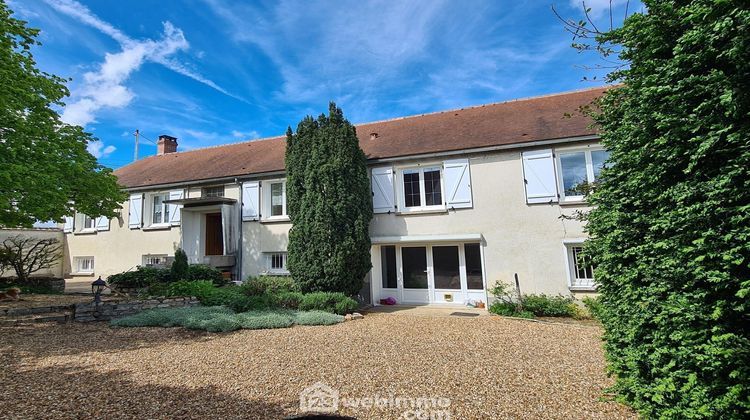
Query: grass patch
222	319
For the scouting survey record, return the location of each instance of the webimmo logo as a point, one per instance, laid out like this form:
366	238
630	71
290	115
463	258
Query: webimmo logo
319	398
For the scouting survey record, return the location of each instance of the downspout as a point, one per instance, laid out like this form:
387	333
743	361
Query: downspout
238	257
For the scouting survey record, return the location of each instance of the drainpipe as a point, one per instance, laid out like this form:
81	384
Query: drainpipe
238	256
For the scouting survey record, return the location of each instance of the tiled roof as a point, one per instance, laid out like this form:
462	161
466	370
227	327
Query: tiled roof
506	123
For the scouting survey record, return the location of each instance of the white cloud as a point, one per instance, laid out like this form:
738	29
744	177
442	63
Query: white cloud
105	87
245	135
99	150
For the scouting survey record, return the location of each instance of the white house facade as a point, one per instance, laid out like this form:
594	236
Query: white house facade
462	199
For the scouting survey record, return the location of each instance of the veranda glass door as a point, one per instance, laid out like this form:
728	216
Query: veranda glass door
447	284
415	274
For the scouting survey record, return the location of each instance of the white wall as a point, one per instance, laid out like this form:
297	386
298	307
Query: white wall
520	238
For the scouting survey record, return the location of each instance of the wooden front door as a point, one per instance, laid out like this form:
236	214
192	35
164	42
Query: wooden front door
214	234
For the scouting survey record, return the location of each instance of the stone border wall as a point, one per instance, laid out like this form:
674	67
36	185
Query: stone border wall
87	312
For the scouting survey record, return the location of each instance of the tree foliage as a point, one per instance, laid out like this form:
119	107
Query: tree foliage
44	164
670	230
179	267
27	255
330	205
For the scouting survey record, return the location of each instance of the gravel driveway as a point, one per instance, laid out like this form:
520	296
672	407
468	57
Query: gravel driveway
488	367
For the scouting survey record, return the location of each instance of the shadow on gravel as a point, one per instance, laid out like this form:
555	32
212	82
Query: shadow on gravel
50	339
65	392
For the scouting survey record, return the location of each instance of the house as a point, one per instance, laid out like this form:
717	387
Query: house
462	199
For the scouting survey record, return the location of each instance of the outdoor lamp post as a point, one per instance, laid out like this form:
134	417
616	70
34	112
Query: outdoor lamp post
97	287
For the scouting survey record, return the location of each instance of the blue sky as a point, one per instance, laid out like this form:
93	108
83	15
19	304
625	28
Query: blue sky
210	72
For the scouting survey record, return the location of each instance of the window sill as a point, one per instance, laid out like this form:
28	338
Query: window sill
91	274
574	202
276	219
582	288
423	211
85	232
157	227
275	273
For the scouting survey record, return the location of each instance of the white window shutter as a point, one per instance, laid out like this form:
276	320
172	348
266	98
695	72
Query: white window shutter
457	181
135	219
250	200
102	223
69	224
383	198
539	176
175	210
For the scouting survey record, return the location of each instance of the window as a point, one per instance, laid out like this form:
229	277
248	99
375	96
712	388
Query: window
580	266
422	188
154	260
84	265
213	191
474	279
160	209
277	199
88	223
274	200
388	266
276	262
578	169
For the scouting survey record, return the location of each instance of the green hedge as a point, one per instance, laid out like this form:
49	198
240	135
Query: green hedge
335	302
269	284
143	277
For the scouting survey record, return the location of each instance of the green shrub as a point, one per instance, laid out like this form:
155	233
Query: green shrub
221	319
543	305
179	268
169	317
593	305
216	323
198	272
199	289
333	302
269	284
288	300
509	309
265	319
244	303
140	277
225	296
317	318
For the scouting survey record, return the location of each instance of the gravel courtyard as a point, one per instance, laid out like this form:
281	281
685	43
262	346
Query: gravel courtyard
488	367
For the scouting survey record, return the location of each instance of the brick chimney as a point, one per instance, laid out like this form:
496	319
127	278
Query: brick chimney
166	144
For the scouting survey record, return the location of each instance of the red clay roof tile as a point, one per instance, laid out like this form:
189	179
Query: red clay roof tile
505	123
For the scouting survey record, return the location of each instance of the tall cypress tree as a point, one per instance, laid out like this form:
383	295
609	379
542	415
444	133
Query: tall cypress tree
330	204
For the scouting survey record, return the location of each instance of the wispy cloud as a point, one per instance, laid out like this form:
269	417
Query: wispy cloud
105	87
250	135
369	56
99	150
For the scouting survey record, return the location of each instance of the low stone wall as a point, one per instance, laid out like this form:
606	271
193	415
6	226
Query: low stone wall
87	312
